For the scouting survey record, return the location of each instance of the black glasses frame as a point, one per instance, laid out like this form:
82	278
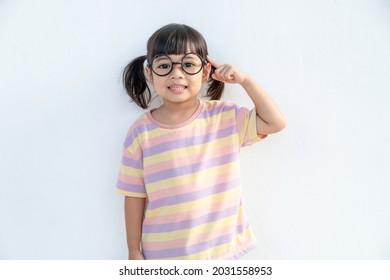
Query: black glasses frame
204	62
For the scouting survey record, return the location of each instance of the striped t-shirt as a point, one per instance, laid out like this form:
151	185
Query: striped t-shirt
190	175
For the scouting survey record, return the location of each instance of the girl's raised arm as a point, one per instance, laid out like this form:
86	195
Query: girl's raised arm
269	118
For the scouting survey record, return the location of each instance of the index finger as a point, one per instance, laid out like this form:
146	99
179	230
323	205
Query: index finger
213	62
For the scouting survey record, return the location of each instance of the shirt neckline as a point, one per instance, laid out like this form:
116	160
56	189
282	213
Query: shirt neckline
178	125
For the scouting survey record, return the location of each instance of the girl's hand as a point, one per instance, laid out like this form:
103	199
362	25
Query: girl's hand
136	256
226	73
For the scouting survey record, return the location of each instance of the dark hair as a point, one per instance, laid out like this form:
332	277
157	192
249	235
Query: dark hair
169	39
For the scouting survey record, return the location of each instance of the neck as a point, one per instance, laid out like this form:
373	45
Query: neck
182	107
175	113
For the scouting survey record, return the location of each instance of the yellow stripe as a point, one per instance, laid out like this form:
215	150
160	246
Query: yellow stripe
193	177
132	194
131	171
252	130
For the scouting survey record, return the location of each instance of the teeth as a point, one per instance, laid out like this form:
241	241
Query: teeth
177	87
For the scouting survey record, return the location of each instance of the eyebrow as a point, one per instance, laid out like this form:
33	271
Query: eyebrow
166	56
162	57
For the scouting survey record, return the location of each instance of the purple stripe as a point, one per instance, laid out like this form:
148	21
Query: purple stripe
191	223
186	197
191	168
223	107
137	131
191	141
193	249
137	164
130	187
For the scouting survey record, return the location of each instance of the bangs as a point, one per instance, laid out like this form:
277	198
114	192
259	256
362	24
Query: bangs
176	39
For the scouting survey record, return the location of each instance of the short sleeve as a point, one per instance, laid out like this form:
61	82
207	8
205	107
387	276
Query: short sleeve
246	125
131	178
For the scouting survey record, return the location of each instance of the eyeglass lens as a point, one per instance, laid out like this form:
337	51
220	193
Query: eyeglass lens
191	63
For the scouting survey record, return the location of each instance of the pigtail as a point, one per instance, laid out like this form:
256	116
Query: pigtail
216	88
134	82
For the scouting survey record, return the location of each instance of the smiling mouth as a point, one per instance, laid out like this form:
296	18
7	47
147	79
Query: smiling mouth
177	87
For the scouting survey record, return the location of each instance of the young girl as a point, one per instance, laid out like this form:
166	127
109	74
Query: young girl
180	170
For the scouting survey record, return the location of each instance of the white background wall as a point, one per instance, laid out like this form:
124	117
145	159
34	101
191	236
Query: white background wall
317	190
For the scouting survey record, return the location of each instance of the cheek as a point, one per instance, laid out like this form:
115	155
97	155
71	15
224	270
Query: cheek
158	80
197	79
196	85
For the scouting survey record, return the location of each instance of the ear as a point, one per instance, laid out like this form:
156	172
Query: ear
206	73
149	74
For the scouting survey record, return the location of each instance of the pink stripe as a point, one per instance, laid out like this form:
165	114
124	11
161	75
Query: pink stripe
138	123
178	217
137	154
180	243
165	165
214	107
126	153
182	134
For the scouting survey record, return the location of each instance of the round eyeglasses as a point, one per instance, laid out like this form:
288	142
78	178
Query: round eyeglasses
191	63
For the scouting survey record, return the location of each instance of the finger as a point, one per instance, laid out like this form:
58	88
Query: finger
213	62
217	76
224	77
226	73
230	75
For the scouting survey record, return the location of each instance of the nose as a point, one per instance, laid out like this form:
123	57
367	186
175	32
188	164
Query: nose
177	71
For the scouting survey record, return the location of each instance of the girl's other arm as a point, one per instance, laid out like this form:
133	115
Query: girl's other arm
134	213
269	118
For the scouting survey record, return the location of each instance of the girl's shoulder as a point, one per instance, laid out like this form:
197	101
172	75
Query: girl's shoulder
221	106
139	125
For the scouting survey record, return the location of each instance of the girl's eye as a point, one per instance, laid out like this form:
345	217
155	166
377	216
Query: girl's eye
163	66
188	64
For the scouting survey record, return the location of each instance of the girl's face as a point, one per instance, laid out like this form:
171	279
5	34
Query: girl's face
177	86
